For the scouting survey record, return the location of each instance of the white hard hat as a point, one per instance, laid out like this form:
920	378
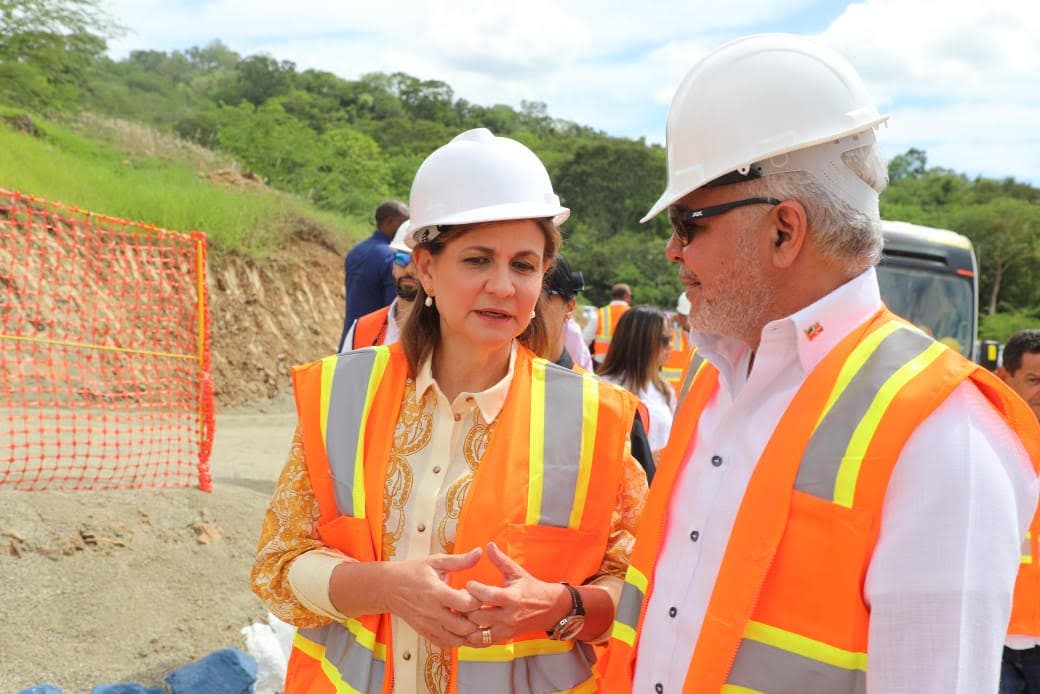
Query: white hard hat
755	99
682	306
399	242
478	177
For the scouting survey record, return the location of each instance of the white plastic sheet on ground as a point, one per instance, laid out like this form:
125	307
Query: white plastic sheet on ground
269	644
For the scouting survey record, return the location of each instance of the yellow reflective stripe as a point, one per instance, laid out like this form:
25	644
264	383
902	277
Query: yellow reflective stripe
506	652
588	687
365	637
670	373
734	689
536	458
376	375
328	370
1026	559
624	633
848	471
855	362
1027	548
589	417
805	647
636	578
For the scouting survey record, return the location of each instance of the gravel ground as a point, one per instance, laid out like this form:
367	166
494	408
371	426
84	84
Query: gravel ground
124	586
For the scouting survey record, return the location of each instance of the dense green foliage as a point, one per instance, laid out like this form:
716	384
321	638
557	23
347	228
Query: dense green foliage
346	144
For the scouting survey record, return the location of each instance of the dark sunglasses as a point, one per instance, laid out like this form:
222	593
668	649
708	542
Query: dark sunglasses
666	340
401	259
684	222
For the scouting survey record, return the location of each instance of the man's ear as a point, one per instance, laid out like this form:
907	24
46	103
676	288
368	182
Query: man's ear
790	231
1002	374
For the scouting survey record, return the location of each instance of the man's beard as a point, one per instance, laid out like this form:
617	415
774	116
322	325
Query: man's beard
407	288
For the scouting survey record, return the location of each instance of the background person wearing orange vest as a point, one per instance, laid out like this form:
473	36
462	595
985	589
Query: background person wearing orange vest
456	513
680	349
1020	669
834	477
606	319
382	327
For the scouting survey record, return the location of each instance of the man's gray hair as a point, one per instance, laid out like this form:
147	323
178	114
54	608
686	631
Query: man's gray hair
840	233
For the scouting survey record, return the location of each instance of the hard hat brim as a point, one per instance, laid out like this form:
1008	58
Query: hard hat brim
494	213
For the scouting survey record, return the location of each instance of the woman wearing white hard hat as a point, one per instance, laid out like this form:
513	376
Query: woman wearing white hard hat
458	512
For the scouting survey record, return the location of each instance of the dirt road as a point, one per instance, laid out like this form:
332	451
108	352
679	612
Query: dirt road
124	586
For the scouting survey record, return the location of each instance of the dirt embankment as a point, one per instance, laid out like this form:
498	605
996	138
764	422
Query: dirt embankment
105	587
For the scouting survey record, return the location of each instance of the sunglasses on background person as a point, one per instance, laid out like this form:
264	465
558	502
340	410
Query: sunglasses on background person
401	259
684	222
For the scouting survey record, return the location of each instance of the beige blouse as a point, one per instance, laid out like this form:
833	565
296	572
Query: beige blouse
437	448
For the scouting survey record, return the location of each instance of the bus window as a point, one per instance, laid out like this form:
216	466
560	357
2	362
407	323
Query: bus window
940	304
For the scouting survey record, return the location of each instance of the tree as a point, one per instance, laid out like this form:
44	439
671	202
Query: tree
1006	234
261	77
47	46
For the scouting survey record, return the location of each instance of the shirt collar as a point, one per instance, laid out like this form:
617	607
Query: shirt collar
618	302
490	401
815	330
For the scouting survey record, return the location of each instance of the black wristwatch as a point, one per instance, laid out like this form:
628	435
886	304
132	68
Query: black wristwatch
568	627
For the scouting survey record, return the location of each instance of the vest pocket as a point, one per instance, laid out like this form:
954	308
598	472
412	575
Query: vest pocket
350	535
815	585
554	554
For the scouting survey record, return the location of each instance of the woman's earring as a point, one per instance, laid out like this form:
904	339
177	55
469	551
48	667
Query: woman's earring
532	313
429	301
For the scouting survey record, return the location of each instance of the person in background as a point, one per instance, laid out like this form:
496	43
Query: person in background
416	534
680	350
368	266
383	327
560	287
640	347
606	319
842	501
1020	666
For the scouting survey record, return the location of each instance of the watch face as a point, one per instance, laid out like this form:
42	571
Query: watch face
568	631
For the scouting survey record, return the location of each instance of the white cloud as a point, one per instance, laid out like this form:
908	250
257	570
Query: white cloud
948	71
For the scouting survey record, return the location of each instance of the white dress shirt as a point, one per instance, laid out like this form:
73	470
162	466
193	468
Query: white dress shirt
660	408
574	343
960	498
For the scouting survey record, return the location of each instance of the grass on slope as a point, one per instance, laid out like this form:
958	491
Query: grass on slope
89	173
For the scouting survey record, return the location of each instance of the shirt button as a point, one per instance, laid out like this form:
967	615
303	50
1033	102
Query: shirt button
658	688
672	611
694	535
436	469
716	460
421	528
407	655
457	416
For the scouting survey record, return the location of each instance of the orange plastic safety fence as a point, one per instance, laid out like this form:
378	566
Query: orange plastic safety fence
104	351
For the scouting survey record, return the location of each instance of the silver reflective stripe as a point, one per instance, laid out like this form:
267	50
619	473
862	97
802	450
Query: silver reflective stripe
347	405
691	372
763	668
818	471
357	666
561	444
548	672
629	605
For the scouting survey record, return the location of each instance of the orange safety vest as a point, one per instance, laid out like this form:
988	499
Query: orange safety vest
787	610
678	358
1025	610
370	329
544	492
608	316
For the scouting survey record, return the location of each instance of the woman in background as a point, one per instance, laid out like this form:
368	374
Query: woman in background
640	347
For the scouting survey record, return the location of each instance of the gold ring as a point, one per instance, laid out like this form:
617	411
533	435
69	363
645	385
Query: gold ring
485	636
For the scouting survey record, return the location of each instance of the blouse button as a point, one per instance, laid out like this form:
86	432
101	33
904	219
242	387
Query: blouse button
436	469
407	655
421	528
457	416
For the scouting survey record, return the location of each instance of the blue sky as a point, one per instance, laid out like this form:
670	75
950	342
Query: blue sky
959	78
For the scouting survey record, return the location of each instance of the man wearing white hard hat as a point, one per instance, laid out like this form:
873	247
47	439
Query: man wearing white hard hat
457	512
383	326
834	477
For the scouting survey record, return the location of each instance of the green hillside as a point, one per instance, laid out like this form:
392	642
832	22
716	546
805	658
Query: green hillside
340	146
